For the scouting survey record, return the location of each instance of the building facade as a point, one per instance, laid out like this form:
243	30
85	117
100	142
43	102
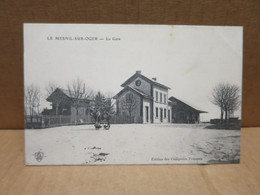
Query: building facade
64	104
143	100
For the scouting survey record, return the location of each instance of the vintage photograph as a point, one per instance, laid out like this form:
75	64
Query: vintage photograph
97	94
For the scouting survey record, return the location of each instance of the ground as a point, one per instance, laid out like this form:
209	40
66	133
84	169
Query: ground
132	144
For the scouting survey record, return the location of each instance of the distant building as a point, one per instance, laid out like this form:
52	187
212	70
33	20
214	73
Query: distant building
64	104
183	112
143	100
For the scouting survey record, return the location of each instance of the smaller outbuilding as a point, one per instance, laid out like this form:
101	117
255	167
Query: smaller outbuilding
69	108
183	112
63	103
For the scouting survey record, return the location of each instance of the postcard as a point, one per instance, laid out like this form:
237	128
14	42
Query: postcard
107	94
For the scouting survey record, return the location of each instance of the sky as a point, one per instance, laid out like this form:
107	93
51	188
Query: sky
191	60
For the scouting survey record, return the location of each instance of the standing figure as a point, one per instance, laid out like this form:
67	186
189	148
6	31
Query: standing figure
98	119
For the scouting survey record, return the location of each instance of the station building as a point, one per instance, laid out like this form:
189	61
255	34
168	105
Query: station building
143	100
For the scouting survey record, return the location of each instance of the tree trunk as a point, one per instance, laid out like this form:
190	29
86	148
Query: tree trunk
130	116
226	113
77	113
221	115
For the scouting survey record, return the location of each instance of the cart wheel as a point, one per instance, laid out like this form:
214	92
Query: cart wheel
106	126
97	126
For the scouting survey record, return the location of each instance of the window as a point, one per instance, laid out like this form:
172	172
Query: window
156	96
138	83
156	114
164	98
164	113
161	97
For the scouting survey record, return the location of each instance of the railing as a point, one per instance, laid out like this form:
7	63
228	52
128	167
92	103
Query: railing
33	122
39	122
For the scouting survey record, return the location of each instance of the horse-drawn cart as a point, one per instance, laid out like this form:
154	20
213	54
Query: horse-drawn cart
101	120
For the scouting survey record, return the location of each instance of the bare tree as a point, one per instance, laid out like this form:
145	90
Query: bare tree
79	93
217	98
32	98
232	98
226	97
129	104
78	90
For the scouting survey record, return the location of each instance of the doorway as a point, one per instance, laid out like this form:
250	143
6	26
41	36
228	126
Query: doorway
147	114
161	115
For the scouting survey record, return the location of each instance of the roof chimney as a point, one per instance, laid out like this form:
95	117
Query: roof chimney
154	78
139	71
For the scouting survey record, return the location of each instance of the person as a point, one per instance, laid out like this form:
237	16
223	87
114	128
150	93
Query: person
98	119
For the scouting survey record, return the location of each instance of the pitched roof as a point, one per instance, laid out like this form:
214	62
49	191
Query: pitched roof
187	104
134	90
138	74
66	93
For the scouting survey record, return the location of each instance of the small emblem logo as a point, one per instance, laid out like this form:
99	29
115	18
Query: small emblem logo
39	156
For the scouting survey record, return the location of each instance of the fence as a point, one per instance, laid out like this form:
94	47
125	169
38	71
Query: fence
38	122
33	122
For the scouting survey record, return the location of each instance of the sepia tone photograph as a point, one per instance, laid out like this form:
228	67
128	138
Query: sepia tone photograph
97	94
